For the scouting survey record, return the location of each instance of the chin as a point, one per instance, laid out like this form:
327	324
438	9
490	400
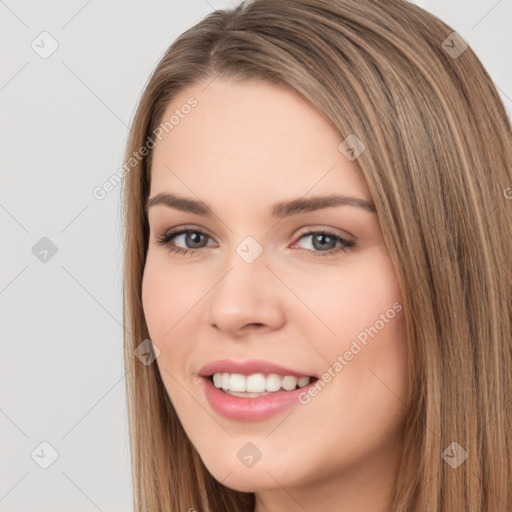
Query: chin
247	481
244	479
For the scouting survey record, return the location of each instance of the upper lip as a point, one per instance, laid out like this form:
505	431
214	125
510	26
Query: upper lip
248	367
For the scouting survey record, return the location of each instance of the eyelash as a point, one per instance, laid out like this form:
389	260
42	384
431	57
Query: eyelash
170	235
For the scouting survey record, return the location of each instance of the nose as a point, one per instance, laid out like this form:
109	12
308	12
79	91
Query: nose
248	297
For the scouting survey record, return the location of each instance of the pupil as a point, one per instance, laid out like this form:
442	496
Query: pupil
196	237
317	238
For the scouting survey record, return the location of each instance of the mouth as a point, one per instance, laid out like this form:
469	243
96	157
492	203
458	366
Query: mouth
253	390
258	384
253	406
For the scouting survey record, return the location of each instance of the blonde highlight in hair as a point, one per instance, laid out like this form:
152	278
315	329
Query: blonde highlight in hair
438	161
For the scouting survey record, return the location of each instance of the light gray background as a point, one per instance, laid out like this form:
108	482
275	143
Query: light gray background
64	122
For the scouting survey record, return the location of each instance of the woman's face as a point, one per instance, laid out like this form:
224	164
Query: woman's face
264	298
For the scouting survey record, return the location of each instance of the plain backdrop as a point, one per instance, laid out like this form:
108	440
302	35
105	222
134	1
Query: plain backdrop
64	122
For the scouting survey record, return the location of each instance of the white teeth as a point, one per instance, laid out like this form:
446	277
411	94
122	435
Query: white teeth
225	381
237	382
257	382
289	382
217	380
273	382
303	381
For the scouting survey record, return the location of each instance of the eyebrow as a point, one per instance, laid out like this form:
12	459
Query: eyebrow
279	210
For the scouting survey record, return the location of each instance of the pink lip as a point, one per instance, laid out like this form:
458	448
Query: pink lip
248	368
250	409
245	408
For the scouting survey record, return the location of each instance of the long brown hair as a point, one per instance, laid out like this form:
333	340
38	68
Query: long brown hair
438	163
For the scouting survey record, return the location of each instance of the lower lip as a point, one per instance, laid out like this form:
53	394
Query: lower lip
250	409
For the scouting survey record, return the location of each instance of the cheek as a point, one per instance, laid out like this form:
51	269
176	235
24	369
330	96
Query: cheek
170	297
351	298
167	296
362	320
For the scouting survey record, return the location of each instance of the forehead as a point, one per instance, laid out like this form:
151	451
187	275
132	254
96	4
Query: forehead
249	140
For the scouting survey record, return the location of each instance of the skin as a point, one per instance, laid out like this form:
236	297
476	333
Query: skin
245	146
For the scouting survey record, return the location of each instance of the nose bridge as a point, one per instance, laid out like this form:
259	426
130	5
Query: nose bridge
247	292
246	263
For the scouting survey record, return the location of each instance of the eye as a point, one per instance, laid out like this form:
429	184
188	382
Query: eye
192	237
323	242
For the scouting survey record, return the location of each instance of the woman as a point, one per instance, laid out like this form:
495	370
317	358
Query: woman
269	371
